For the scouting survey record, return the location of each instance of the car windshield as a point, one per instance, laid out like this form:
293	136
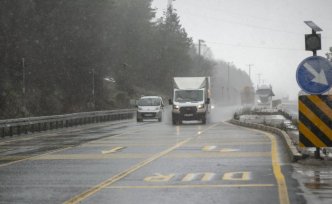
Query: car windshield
149	102
188	95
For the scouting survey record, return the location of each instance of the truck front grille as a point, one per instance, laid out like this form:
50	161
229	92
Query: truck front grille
190	109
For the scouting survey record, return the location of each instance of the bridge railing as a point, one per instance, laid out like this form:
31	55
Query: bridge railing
20	126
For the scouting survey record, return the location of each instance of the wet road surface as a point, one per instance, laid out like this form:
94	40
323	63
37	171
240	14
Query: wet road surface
149	162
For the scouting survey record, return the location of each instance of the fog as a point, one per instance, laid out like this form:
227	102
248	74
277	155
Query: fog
267	34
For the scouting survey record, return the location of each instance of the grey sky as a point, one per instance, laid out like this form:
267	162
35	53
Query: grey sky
266	33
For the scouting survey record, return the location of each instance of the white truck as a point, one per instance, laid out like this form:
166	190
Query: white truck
191	99
264	95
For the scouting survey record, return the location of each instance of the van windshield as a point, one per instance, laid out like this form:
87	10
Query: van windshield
149	102
188	95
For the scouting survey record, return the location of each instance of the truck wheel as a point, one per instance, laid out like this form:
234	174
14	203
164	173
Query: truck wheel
204	120
174	122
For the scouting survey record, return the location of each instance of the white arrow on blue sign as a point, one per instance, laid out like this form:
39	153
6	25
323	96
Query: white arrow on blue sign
314	75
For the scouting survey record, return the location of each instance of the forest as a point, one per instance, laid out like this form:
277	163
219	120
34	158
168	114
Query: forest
66	56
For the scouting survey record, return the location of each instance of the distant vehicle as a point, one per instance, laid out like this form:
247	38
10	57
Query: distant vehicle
264	95
248	96
149	107
191	99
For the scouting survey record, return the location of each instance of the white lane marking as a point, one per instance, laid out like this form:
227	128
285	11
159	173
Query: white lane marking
116	149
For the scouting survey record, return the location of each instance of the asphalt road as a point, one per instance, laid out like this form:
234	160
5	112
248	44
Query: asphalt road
150	162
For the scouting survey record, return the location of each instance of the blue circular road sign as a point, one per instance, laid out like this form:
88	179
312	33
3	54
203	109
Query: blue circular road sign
314	75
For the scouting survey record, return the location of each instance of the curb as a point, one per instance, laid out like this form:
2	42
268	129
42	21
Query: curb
294	154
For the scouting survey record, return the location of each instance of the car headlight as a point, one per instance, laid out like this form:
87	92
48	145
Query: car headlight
176	107
200	106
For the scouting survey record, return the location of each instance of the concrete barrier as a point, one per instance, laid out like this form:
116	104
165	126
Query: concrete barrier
291	148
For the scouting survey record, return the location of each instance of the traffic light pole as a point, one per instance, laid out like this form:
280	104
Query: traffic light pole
314	53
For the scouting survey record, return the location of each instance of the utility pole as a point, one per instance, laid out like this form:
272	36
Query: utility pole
259	79
23	88
199	46
93	89
249	65
228	80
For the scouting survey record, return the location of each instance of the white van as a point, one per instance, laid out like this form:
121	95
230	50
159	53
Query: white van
149	107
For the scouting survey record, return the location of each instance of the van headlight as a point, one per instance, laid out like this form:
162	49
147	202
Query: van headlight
200	106
176	107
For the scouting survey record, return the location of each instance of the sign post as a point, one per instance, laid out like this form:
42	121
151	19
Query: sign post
314	76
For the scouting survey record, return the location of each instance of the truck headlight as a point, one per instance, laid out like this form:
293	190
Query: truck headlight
176	107
200	106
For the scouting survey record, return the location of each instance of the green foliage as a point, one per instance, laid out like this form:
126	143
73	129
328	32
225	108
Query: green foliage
69	47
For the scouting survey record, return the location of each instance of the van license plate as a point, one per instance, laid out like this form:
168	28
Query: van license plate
188	115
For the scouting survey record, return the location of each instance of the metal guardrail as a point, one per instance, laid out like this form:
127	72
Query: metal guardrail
20	126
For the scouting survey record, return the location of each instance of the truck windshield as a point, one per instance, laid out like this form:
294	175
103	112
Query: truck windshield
149	102
188	95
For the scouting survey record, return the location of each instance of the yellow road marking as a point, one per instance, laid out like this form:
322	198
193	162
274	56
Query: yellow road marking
121	175
193	186
237	176
218	154
51	152
34	157
208	176
240	143
159	178
228	150
113	179
146	155
189	177
9	158
209	148
282	186
92	156
112	150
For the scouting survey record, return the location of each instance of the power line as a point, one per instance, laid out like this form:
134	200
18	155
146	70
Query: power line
244	24
258	47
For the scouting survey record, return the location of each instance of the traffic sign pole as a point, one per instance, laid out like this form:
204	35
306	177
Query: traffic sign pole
314	74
